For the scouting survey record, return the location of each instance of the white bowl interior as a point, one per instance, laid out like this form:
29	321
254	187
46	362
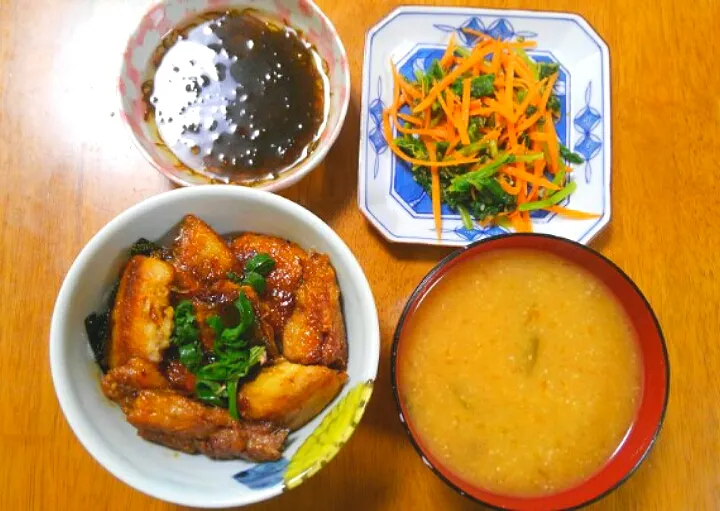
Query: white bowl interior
100	425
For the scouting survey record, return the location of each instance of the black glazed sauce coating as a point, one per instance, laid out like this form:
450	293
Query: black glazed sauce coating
237	98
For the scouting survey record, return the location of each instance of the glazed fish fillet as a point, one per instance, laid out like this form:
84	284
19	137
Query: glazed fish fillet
142	318
289	394
285	278
122	383
167	418
315	332
200	254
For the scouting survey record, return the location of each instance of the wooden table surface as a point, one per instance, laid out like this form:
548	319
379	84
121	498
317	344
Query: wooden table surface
67	166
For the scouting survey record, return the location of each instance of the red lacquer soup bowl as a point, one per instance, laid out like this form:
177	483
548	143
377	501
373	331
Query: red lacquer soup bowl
655	373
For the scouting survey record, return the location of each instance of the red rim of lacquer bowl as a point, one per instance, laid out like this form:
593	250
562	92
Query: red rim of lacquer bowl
656	375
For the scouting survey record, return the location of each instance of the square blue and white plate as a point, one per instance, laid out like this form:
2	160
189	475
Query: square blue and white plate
412	37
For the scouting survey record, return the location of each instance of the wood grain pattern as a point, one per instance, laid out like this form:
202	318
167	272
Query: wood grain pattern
67	167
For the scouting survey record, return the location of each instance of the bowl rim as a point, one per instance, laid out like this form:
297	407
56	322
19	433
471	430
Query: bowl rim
292	175
75	415
423	288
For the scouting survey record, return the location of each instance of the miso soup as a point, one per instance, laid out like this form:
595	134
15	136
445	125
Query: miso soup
519	372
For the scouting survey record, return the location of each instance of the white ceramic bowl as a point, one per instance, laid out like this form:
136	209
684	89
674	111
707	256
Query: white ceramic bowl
100	425
302	15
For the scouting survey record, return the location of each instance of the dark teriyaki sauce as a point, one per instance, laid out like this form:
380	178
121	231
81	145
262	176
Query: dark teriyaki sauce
236	97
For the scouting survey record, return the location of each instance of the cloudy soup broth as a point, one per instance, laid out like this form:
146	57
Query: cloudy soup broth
519	372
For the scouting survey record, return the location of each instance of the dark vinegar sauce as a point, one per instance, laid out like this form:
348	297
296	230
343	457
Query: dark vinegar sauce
236	97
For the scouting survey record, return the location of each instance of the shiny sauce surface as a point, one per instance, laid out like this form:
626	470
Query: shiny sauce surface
237	97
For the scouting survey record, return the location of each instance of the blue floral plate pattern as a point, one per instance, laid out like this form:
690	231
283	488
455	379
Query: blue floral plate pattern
412	37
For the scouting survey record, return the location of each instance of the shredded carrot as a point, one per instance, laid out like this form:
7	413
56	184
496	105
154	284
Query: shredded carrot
450	78
548	90
530	178
453	144
522	44
409	118
436	203
522	70
492	135
530	96
572	213
465	115
512	135
516	220
438	133
538	168
509	187
497	107
387	131
476	33
507	130
553	144
481	111
527	225
510	86
452	98
408	89
449	52
448	112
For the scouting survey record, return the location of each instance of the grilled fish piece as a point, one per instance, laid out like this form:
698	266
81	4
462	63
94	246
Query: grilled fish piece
283	281
200	255
169	419
122	383
315	332
142	318
289	394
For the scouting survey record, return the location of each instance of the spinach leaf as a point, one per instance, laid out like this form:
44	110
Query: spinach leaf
480	86
186	336
185	330
551	200
475	125
570	156
218	381
256	269
477	178
465	215
211	392
234	277
530	63
490	200
261	264
441	148
434	73
545	69
412	146
256	281
190	355
553	104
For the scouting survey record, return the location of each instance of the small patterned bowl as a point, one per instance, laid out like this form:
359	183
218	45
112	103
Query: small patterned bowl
303	15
